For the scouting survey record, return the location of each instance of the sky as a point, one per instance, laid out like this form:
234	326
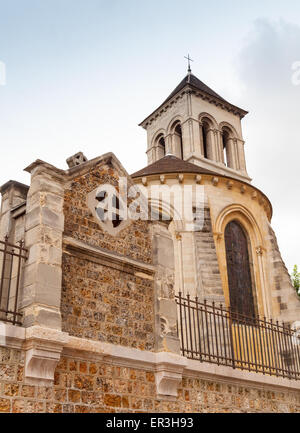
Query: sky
80	75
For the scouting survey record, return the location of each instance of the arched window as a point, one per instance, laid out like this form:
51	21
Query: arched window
240	279
227	137
161	146
204	131
178	141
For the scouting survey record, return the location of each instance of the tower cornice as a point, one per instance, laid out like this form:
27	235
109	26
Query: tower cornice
190	89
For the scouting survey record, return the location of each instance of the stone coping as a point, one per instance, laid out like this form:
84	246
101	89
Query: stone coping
20	338
95	253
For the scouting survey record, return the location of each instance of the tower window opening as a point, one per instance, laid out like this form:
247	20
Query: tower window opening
225	139
204	139
178	132
161	147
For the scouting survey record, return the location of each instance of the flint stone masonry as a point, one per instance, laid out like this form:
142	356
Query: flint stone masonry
106	304
91	386
101	302
133	241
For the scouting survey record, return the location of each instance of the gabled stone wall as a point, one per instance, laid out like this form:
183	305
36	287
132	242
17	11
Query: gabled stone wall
134	241
101	300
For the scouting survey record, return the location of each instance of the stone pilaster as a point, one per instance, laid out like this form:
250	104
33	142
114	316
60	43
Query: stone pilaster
13	194
230	151
219	141
165	306
241	155
211	146
177	144
43	238
169	144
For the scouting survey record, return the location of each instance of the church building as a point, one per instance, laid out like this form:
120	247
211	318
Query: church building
183	308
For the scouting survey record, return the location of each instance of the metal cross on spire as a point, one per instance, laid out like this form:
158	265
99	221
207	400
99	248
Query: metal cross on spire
189	64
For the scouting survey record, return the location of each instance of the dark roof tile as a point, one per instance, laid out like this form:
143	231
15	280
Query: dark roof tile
171	164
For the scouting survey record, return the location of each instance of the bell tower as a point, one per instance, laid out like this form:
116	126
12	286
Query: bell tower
197	125
195	142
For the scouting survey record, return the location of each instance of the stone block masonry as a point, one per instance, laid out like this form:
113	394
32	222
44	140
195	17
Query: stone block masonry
106	304
89	386
134	242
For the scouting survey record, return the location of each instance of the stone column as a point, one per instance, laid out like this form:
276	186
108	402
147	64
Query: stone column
201	139
219	141
43	237
177	142
187	138
230	151
236	154
196	146
211	150
169	144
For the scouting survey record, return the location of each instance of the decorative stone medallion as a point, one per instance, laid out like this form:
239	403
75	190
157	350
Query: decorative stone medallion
109	208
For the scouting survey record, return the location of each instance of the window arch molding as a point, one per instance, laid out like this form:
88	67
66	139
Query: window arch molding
203	116
230	127
173	123
159	148
157	135
245	218
175	132
229	149
208	139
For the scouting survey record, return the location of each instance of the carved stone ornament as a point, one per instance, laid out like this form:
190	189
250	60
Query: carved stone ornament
109	209
215	181
168	375
43	350
198	178
229	184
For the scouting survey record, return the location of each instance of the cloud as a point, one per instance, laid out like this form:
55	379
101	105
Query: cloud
272	129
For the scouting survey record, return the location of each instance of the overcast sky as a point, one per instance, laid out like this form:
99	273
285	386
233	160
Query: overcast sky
81	75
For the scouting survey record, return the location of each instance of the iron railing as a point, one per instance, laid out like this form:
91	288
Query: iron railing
11	266
215	334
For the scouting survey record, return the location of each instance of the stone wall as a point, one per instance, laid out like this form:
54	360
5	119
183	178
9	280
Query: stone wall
105	304
134	241
99	301
92	386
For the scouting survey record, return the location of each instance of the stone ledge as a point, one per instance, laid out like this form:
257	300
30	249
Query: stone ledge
226	374
44	347
106	258
11	336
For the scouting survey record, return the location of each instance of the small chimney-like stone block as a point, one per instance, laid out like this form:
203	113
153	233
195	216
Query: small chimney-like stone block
77	159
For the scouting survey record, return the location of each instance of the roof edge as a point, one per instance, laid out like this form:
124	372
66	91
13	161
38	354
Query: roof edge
241	111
